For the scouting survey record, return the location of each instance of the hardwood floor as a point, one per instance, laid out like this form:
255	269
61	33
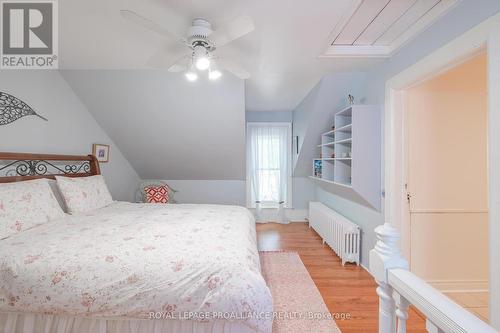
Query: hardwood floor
475	302
348	290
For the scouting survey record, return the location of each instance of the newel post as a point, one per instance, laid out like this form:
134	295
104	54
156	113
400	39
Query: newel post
385	256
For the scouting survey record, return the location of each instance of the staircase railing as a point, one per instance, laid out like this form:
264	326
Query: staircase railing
399	288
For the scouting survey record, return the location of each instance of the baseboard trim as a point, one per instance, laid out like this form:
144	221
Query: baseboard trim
451	286
292	214
296	215
366	269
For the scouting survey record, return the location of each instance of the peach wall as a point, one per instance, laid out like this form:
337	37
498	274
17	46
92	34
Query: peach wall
447	177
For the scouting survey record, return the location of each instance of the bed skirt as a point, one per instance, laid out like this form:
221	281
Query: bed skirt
40	323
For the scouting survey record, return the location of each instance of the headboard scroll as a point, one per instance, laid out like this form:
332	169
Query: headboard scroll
15	167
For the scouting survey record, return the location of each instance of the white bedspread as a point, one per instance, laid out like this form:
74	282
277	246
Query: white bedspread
131	260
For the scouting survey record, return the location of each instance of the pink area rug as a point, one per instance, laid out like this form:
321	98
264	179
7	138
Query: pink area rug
297	303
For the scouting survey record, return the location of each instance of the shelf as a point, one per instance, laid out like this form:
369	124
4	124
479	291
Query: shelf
330	181
335	142
343	184
343	141
355	135
328	133
346	128
345	112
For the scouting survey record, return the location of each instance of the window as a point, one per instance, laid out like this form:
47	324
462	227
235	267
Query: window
269	163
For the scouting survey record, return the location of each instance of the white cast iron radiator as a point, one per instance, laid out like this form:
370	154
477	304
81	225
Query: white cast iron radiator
342	235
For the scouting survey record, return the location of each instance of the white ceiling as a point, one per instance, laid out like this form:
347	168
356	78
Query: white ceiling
281	54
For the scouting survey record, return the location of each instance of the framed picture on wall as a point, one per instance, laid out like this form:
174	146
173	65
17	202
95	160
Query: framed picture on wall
101	152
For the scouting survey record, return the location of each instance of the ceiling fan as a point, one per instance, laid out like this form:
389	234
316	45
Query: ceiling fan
201	44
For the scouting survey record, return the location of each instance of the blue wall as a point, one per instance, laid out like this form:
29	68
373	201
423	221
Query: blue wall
314	116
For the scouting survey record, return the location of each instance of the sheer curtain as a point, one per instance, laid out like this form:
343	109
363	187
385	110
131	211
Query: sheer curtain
269	165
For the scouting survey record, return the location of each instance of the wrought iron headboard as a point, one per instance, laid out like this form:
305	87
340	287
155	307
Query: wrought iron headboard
15	167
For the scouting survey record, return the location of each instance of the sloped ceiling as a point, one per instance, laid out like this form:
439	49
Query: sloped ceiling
166	127
281	54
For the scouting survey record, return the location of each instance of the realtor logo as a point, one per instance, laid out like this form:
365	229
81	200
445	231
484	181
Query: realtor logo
29	34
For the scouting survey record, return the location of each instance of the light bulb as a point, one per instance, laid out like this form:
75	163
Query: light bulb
214	74
202	63
191	75
201	58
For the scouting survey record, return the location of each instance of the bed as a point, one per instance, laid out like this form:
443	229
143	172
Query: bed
131	267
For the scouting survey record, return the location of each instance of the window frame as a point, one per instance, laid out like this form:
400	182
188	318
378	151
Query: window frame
288	126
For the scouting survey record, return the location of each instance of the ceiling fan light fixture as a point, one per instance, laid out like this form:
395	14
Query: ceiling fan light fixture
201	58
191	75
202	63
214	73
202	42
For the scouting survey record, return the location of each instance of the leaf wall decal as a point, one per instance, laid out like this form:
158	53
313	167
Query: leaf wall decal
12	108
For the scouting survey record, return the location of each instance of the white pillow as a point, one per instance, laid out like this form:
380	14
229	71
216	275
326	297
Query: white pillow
24	205
84	194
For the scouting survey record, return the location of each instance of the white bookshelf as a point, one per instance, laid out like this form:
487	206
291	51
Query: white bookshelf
349	152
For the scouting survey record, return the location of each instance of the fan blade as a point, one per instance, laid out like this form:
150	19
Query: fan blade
165	55
232	30
234	68
150	25
180	65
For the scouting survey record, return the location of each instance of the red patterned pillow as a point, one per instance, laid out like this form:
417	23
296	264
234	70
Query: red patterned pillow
156	194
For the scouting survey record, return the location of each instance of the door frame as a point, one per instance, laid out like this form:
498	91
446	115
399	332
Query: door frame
485	35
